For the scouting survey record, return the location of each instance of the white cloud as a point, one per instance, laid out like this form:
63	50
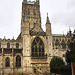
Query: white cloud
61	14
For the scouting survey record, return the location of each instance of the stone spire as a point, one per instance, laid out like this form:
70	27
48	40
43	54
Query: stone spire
48	26
47	21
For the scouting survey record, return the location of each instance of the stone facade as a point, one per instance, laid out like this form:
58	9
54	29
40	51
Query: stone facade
32	51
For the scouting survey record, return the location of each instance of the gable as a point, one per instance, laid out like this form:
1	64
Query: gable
37	30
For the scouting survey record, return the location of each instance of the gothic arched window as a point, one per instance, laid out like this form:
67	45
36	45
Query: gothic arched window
18	61
37	48
17	45
8	45
7	62
57	43
63	44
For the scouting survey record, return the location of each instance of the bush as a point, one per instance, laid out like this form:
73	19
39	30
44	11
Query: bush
55	64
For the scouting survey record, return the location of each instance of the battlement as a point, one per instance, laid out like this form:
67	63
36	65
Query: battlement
31	2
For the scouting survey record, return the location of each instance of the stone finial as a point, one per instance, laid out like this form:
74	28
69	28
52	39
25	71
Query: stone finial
47	21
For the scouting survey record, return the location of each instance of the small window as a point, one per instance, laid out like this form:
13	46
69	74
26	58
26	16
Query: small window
17	45
8	45
18	61
7	62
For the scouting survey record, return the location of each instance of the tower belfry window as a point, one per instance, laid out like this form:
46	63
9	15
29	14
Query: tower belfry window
37	48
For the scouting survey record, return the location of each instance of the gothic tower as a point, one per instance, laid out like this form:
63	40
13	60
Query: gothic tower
30	19
30	13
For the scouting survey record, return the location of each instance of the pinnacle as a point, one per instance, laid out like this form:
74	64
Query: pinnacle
47	21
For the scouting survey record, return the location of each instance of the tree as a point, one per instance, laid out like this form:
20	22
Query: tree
55	64
70	54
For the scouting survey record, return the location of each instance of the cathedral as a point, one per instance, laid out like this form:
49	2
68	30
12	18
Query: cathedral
34	48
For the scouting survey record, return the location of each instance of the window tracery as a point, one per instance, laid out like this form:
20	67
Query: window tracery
37	48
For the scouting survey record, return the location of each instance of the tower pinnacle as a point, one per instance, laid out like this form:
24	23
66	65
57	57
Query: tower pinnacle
47	21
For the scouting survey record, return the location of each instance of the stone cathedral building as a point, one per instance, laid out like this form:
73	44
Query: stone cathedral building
33	49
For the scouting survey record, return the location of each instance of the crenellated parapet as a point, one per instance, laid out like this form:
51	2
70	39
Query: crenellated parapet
31	2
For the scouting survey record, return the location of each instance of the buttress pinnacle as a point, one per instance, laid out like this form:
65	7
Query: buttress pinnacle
47	21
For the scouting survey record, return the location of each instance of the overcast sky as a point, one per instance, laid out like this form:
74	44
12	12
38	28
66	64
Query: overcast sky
61	14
